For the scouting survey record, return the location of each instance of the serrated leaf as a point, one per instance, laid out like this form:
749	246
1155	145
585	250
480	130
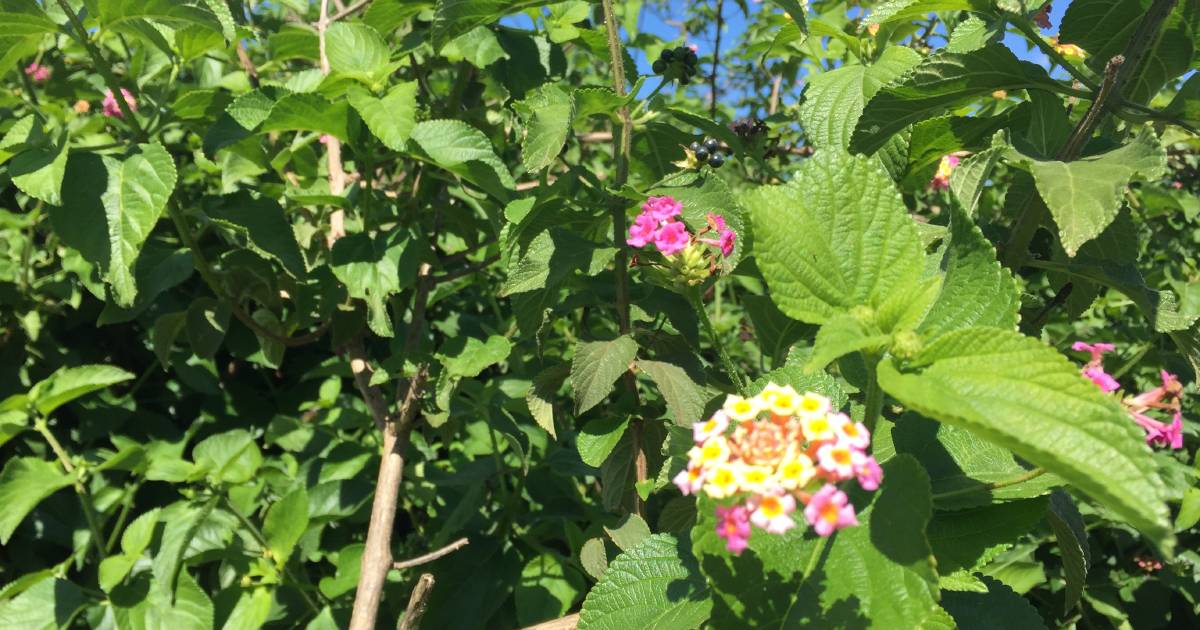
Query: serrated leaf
898	10
24	482
942	81
685	399
138	535
356	50
231	457
977	291
962	466
833	101
837	237
630	532
38	170
597	439
48	604
466	357
594	558
541	395
654	585
967	181
174	13
285	523
596	366
390	118
960	538
547	113
1072	538
262	222
452	143
250	109
373	269
703	195
1084	195
309	112
1024	396
452	18
997	609
68	383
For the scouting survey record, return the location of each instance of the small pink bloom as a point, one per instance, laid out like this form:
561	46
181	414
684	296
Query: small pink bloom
662	208
694	48
1102	379
725	236
1170	388
1177	185
941	179
855	434
712	427
690	479
672	238
1097	350
772	512
868	472
37	72
642	231
829	510
1160	433
733	524
726	242
716	221
837	459
112	109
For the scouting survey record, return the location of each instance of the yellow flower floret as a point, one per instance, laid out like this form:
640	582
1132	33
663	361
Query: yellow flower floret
742	409
754	478
715	450
722	481
796	471
785	402
818	428
812	405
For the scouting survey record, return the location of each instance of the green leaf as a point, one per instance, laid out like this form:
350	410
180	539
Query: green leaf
467	357
294	41
594	558
598	438
833	101
49	604
173	13
685	399
1071	534
908	10
654	585
997	609
37	170
1024	396
262	223
24	482
452	18
250	109
547	589
231	457
356	50
479	46
547	113
68	383
596	366
1085	195
542	393
836	237
702	195
881	569
967	181
630	532
963	467
373	269
453	143
285	523
251	611
971	34
941	82
843	335
961	538
181	522
113	569
803	381
774	332
207	323
309	112
137	537
977	291
390	118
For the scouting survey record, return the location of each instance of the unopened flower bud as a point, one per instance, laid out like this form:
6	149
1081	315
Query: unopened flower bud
906	344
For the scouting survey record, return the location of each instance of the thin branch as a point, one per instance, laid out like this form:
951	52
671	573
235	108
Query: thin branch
570	622
712	78
333	146
354	8
247	64
773	102
432	555
417	603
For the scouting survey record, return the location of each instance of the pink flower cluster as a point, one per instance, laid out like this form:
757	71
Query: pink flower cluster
37	72
1167	398
941	179
112	109
772	452
657	224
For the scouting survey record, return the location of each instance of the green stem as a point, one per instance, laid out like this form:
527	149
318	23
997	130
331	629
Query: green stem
874	402
815	558
126	506
102	66
85	497
262	542
735	376
1032	35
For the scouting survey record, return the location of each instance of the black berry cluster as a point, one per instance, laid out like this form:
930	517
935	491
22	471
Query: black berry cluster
708	151
748	127
677	63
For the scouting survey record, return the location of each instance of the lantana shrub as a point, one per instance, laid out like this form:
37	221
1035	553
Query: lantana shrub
600	315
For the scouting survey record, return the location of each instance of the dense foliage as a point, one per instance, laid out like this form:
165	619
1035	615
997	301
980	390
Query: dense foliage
293	291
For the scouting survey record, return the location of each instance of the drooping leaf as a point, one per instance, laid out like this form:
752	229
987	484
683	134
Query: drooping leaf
547	113
1072	538
24	482
230	457
939	83
309	112
598	438
542	394
1084	195
466	357
1024	396
685	399
596	366
654	585
262	222
373	269
837	237
285	523
453	143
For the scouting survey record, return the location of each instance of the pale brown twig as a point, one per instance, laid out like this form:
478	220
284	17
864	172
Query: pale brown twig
417	603
432	555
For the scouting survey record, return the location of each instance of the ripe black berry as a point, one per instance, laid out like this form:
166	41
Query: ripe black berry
712	145
667	55
691	58
716	161
695	146
702	154
659	66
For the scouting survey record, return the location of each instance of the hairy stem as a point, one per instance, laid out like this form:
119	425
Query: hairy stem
735	375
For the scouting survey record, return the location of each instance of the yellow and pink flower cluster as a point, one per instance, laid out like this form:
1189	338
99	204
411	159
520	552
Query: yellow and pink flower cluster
765	455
